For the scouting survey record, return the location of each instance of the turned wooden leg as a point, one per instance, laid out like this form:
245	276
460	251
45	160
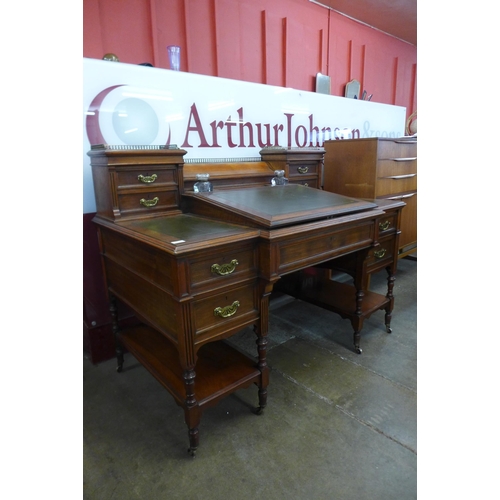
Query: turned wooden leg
357	321
260	330
192	413
115	328
194	441
262	364
356	341
390	306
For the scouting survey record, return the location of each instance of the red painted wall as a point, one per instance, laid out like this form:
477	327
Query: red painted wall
276	42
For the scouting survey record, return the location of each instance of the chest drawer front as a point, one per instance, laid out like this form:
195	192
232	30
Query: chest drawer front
396	184
215	314
382	255
146	178
224	267
396	149
147	202
387	168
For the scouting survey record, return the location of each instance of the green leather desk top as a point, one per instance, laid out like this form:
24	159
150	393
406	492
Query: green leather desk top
277	206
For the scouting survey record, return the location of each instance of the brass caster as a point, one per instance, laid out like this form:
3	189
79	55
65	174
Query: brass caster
192	452
388	328
259	410
358	350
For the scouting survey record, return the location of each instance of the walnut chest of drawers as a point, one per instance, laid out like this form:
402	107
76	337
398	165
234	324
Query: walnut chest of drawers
380	168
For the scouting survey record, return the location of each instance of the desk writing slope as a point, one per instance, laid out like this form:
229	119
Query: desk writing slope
272	207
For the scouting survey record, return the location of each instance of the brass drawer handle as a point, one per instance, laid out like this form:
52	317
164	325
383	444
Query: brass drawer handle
147	179
384	226
226	312
401	197
224	269
149	203
380	253
405	176
302	170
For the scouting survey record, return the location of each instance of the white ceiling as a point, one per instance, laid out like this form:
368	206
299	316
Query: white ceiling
395	17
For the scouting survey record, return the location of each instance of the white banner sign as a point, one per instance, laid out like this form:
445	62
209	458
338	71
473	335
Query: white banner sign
215	118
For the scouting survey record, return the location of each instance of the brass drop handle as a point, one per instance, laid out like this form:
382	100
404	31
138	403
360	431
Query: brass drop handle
149	203
226	312
384	226
380	253
224	269
147	179
302	170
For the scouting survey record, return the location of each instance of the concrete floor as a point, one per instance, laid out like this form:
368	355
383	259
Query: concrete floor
338	425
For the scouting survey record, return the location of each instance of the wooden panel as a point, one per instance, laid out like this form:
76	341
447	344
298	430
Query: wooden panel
143	258
134	290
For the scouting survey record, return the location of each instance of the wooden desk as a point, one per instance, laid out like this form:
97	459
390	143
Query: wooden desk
203	269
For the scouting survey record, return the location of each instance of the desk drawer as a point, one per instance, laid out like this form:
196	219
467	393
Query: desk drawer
317	248
396	184
223	267
382	255
386	225
145	178
396	149
302	169
233	308
147	202
305	181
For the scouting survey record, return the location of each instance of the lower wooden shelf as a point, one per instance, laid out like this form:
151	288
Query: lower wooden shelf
338	297
220	370
341	298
